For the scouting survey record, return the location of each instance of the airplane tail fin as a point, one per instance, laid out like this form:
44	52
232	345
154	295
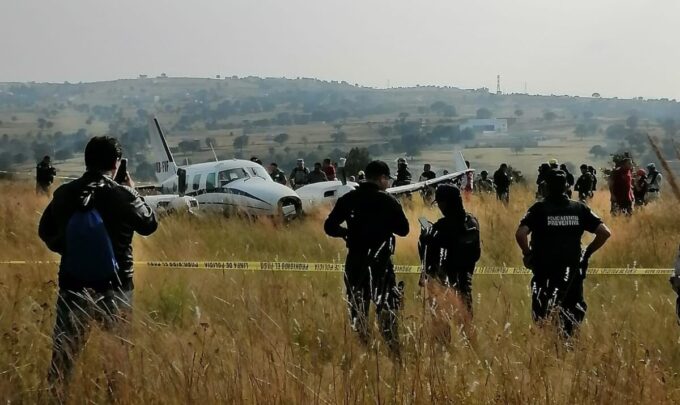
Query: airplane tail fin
459	162
163	161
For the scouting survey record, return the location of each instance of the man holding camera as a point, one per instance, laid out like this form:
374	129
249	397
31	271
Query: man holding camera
90	222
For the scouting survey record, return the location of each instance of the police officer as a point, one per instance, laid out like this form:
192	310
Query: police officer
403	174
277	174
44	176
451	248
584	184
556	226
485	184
300	175
372	217
502	181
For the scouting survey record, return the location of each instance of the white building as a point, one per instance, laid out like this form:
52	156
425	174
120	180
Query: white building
486	125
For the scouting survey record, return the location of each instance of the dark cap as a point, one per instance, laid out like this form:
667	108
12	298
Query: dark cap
376	169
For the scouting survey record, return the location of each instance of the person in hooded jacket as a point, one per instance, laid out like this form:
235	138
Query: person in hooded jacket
451	248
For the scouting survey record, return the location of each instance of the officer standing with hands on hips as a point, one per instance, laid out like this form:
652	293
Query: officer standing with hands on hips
372	219
556	225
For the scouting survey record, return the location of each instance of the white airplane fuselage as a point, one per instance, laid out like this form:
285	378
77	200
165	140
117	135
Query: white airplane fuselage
236	186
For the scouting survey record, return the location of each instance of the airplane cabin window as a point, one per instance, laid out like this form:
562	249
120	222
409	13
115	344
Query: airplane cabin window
197	182
210	182
329	193
227	176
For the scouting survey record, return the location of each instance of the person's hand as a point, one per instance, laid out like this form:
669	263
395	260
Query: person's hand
128	180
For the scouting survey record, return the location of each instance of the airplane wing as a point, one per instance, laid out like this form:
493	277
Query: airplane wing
461	168
410	188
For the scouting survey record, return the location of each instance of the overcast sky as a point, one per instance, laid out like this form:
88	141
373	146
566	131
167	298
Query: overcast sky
623	48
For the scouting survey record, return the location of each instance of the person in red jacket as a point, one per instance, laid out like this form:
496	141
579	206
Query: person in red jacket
329	169
621	188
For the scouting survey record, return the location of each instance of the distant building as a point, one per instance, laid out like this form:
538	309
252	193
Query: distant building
486	125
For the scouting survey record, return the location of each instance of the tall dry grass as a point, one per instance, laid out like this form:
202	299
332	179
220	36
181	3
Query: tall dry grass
240	337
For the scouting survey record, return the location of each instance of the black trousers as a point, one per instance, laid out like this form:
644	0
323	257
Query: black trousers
367	279
503	195
460	279
558	289
76	310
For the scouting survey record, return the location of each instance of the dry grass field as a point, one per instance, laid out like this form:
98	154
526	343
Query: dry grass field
265	337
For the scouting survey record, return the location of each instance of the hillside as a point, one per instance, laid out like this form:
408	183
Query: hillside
247	116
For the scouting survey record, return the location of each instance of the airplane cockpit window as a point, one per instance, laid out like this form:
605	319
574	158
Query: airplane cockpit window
227	176
259	171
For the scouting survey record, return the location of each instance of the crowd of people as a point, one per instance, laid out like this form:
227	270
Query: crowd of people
91	221
549	237
630	190
301	175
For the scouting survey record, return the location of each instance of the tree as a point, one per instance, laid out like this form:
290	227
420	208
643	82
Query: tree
20	158
670	127
357	159
616	131
518	113
187	145
632	122
385	131
241	142
581	131
145	171
281	138
63	154
40	149
339	137
5	160
210	142
596	95
549	116
598	151
484	113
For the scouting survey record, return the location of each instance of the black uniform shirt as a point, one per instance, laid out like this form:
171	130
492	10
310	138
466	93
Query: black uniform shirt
372	218
584	184
502	181
557	226
428	175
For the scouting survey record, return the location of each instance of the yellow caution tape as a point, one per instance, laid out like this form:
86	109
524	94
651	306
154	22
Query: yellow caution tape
338	267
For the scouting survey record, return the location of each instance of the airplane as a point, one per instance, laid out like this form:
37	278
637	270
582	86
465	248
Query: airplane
230	186
328	192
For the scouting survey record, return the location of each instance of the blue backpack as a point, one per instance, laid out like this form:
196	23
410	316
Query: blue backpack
88	257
